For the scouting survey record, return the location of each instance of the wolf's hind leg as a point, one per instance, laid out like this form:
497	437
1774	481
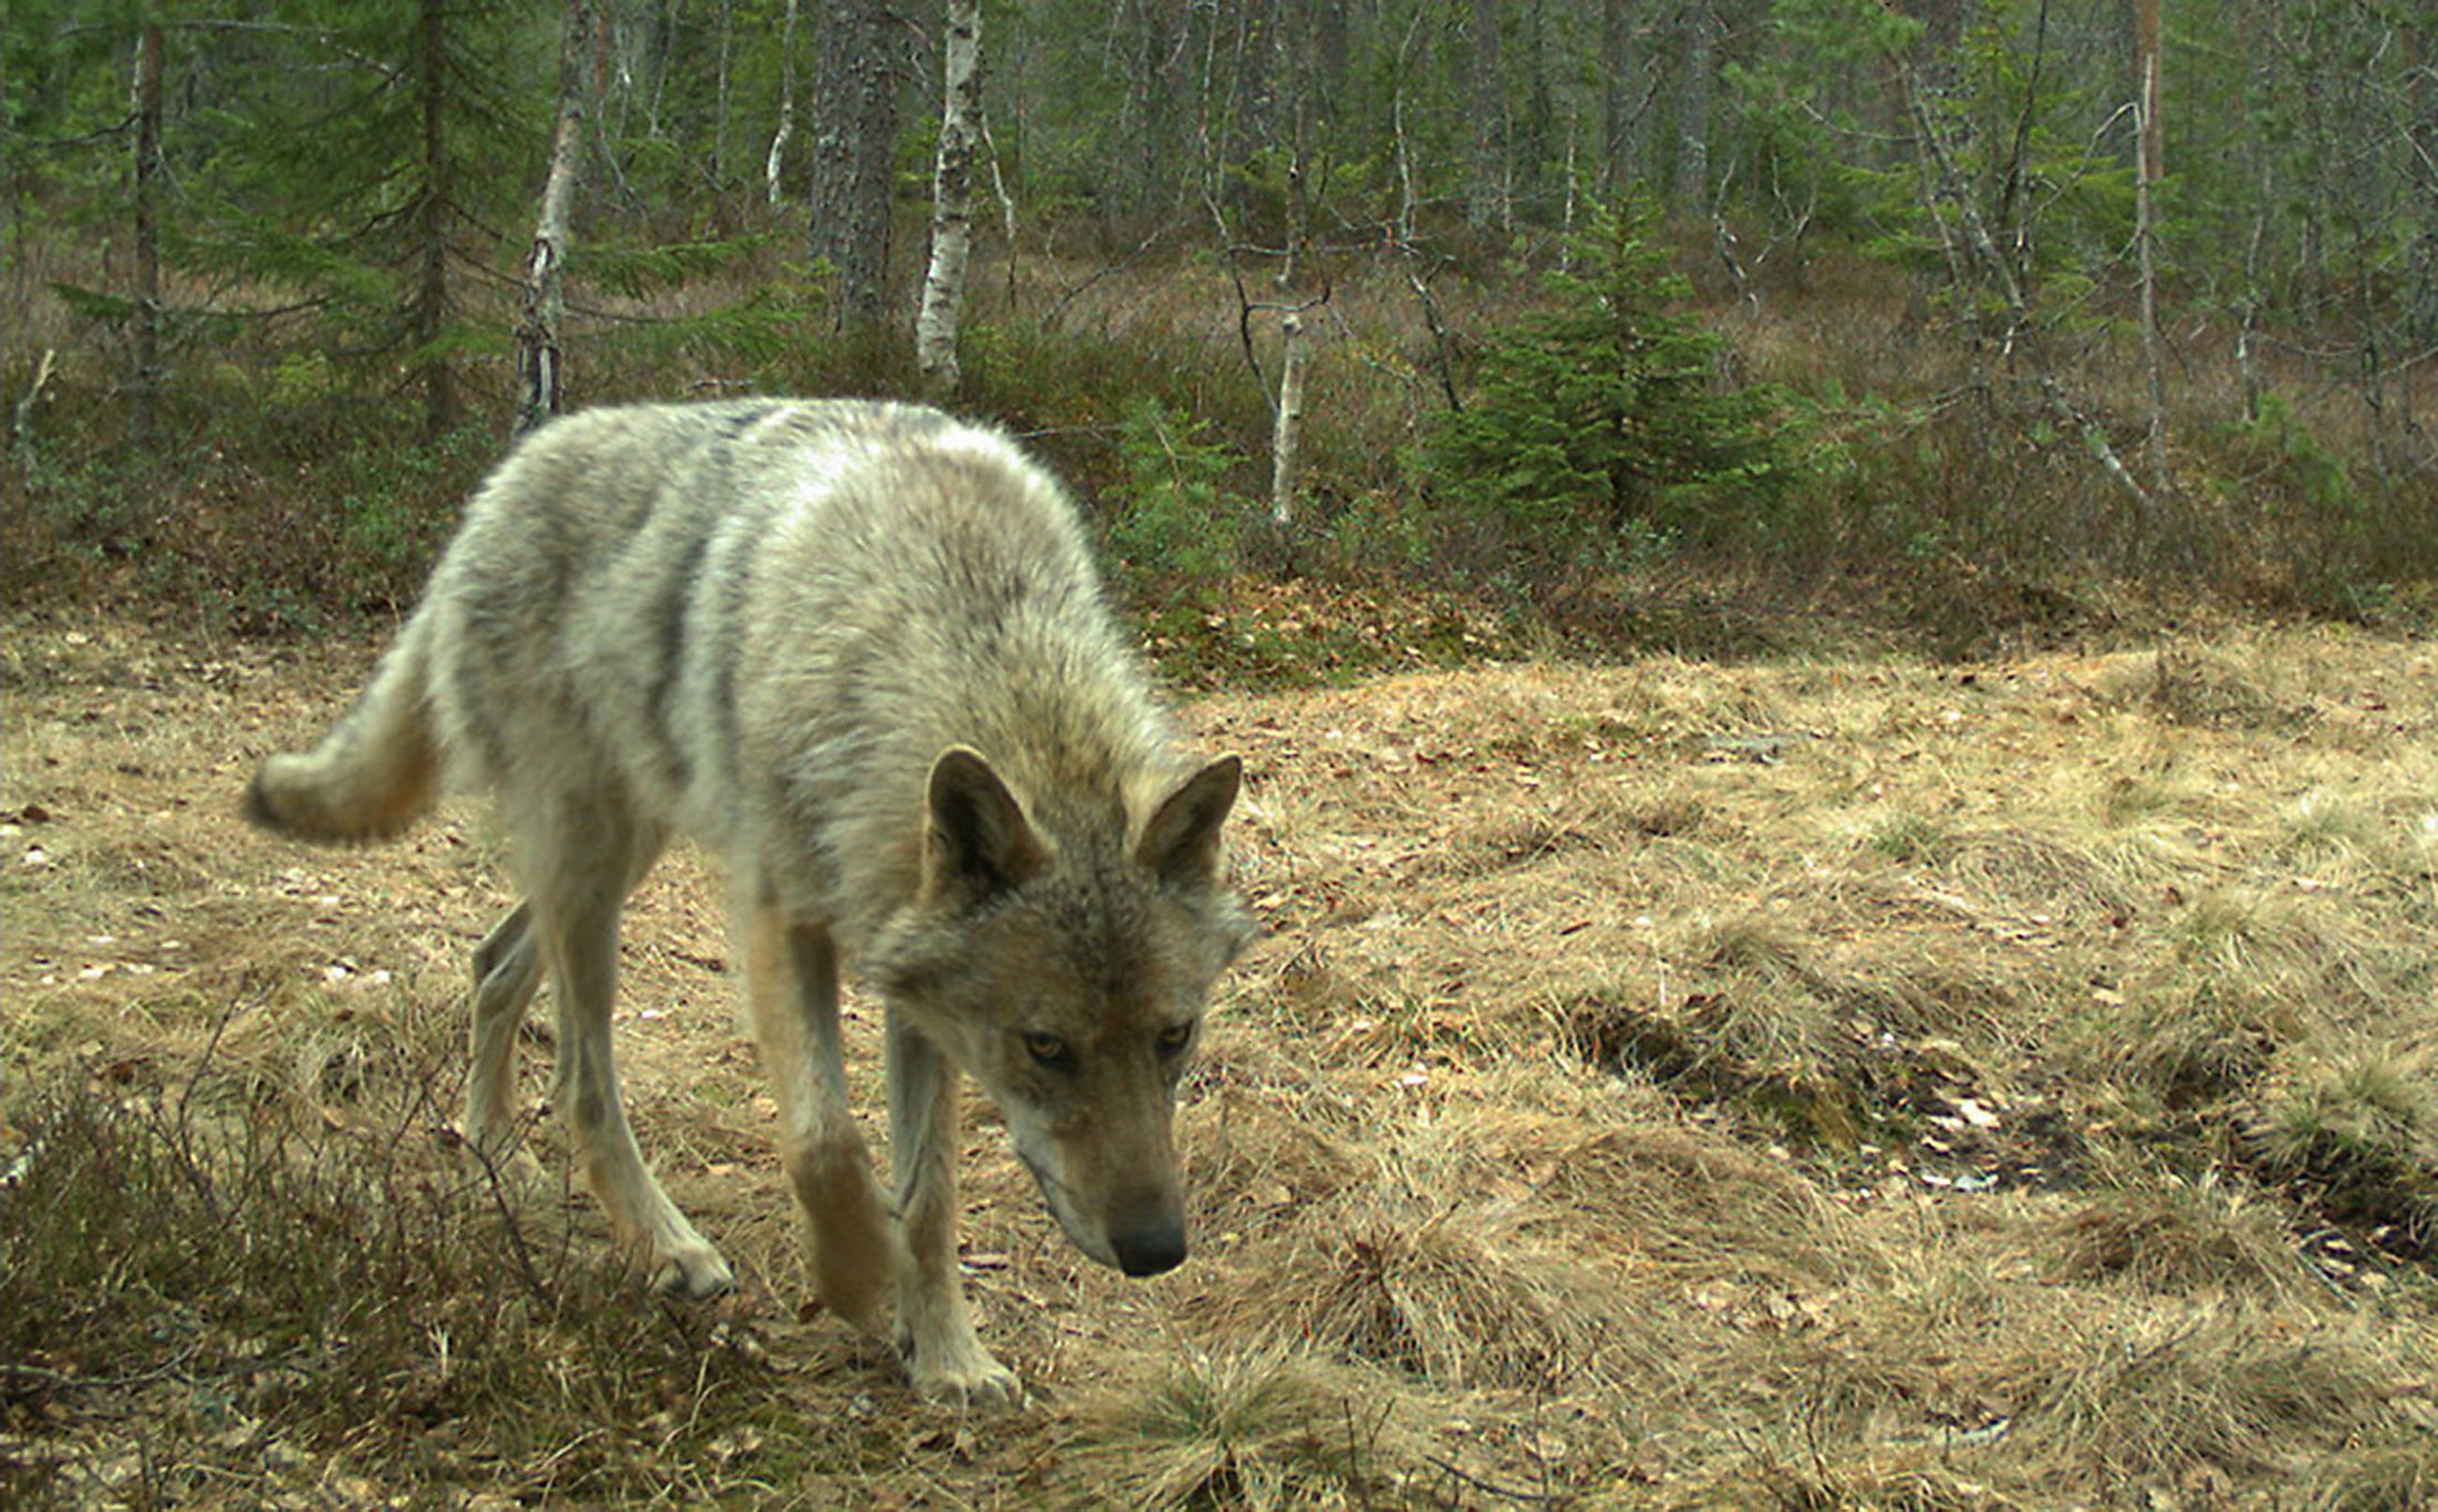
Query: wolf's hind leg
791	986
581	868
507	972
944	1354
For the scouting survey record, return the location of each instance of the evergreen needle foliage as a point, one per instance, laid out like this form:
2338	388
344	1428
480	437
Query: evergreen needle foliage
1607	411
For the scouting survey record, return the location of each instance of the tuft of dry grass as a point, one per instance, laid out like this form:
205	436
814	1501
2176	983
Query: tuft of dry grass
1257	1428
2212	1395
2175	1235
1814	1084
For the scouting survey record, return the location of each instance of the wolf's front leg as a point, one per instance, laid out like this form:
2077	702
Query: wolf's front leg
791	983
943	1355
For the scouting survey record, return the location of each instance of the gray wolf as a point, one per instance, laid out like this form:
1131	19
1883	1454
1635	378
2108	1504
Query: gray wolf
858	651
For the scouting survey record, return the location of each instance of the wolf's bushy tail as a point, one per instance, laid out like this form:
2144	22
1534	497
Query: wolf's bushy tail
376	771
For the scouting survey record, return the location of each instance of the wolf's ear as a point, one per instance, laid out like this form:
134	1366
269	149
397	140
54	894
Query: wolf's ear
979	842
1181	843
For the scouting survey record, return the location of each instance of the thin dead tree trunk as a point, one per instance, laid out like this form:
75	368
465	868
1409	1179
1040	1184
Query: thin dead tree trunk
1406	197
21	419
540	364
2146	231
774	165
2247	336
1006	210
952	194
143	394
1408	201
719	105
1969	246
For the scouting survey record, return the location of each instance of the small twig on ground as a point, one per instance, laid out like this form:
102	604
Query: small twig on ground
1505	1493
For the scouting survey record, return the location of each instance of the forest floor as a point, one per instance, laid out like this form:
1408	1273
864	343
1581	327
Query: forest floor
1804	1084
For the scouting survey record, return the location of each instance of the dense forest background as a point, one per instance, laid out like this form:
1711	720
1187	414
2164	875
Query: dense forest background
1609	321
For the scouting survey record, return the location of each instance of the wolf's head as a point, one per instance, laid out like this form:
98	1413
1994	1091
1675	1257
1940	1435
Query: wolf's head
1071	977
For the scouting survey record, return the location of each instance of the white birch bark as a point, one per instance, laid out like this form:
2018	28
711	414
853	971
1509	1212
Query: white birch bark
1285	439
952	192
1293	341
775	162
540	377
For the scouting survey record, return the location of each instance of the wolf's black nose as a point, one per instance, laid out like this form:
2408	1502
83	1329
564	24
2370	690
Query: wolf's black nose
1150	1248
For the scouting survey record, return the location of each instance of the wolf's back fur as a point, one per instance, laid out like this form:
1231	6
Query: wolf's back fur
746	617
860	650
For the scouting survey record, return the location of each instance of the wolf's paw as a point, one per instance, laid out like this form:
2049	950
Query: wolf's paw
963	1376
694	1272
856	1291
856	1258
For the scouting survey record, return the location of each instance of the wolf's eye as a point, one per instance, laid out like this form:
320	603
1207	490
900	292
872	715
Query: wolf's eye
1173	1039
1048	1049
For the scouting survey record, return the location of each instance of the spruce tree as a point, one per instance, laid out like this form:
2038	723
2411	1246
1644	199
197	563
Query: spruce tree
1609	408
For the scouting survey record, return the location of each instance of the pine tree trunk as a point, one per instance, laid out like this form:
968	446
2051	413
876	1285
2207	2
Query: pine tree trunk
1151	52
855	134
540	374
1533	135
428	318
143	394
1482	82
1331	59
1695	107
1621	112
952	194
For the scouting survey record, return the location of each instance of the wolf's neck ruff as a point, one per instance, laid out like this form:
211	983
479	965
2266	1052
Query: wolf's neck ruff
860	651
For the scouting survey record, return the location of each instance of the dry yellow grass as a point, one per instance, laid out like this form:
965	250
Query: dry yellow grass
1809	1085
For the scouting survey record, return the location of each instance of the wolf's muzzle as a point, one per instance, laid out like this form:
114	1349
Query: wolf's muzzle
1150	1248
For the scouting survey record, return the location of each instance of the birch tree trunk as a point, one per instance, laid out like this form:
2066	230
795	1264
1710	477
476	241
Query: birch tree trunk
1287	436
1294	343
541	369
143	394
855	133
952	194
777	161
